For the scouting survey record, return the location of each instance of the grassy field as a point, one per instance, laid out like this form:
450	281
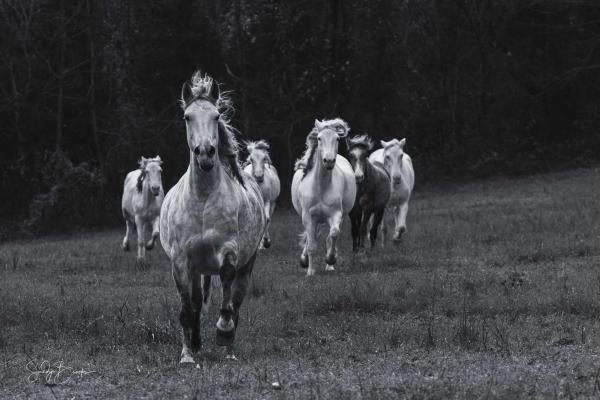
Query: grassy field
494	293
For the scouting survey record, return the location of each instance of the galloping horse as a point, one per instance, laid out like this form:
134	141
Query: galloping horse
399	165
142	197
259	165
323	189
213	219
373	191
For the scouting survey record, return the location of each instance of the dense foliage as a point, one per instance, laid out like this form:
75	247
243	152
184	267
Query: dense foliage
478	87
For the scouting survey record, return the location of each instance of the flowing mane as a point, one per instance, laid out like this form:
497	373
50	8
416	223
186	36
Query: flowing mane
363	141
258	145
204	87
306	162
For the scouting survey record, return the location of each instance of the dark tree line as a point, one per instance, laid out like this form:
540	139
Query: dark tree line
478	87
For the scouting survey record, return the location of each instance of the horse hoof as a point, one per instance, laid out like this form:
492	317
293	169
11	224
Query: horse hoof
266	243
331	260
125	246
149	246
329	267
225	338
141	263
303	261
310	272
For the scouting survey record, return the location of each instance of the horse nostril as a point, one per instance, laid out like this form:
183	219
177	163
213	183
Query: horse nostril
211	151
197	150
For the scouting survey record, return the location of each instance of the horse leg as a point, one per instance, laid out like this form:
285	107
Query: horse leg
311	245
364	224
377	218
130	226
186	317
266	242
226	324
206	279
334	230
141	230
155	233
401	221
355	217
239	290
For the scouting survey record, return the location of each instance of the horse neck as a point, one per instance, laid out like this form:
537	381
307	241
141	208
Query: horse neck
202	182
369	178
147	196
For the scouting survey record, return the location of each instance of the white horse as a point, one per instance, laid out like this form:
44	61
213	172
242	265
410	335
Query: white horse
213	219
259	165
399	165
323	189
142	198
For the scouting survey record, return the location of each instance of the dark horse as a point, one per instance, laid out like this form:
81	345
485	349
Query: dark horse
372	194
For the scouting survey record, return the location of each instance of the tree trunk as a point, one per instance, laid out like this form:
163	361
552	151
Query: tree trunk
92	90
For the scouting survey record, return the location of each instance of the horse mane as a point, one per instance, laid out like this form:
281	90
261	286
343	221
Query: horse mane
257	145
143	163
306	162
202	86
363	141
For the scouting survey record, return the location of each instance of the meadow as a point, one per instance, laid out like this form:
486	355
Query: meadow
494	292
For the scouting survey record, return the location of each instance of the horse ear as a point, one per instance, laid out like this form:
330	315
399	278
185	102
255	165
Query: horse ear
186	93
402	142
318	124
158	160
384	143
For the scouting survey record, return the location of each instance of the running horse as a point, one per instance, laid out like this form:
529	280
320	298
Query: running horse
323	190
373	191
142	198
259	165
213	219
399	165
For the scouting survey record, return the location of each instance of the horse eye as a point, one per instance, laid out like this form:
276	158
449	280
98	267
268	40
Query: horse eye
217	117
186	117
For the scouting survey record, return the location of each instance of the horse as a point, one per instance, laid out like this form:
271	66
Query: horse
373	191
142	198
213	219
323	189
399	165
259	165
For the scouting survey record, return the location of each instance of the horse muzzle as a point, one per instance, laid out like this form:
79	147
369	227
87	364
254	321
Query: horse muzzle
155	190
206	164
329	163
260	179
396	180
359	178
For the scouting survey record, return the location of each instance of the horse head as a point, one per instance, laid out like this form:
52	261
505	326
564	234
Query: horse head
328	134
358	149
258	157
393	155
151	173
